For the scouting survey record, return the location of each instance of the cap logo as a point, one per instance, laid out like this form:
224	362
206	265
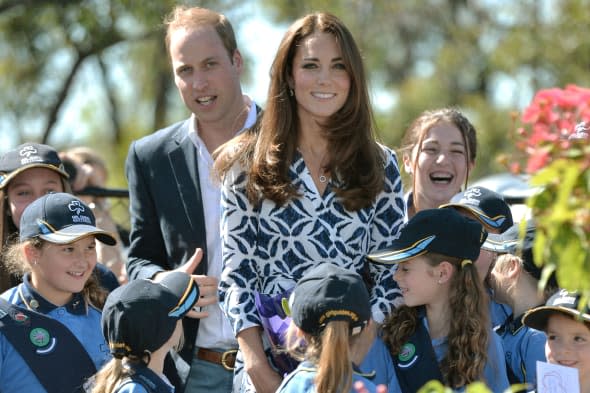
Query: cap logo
29	154
471	196
335	313
78	208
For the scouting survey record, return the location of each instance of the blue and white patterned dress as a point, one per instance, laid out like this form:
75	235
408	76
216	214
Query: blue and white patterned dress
268	248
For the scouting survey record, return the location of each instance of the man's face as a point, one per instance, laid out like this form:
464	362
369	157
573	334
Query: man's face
207	78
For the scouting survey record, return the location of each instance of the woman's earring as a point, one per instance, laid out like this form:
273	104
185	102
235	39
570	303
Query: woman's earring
291	92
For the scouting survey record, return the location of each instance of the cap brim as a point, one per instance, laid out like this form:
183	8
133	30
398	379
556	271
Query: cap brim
5	179
495	243
537	318
402	253
185	289
488	222
76	232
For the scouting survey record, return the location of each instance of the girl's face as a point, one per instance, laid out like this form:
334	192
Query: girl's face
60	270
28	186
441	166
320	80
568	344
416	279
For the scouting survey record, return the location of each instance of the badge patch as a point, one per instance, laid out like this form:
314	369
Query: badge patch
20	317
407	355
408	350
39	337
42	340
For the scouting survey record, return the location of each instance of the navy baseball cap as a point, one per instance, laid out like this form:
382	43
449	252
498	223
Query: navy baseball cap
141	315
561	302
442	231
61	218
330	293
487	206
26	156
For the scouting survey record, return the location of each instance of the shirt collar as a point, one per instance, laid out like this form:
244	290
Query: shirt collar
34	301
193	132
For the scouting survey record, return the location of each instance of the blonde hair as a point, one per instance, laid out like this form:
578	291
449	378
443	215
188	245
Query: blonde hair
469	324
17	264
110	375
329	351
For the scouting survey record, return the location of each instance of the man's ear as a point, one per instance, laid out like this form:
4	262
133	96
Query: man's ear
237	60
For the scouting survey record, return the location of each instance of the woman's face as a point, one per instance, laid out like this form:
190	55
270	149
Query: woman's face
60	270
320	82
439	166
568	344
29	185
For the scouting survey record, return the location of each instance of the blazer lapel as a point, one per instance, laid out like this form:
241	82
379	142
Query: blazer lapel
183	162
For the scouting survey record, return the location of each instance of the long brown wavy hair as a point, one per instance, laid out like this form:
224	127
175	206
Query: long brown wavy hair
355	159
468	325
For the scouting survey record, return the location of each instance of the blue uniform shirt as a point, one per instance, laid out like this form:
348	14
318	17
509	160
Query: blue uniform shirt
523	346
82	319
302	380
494	372
378	363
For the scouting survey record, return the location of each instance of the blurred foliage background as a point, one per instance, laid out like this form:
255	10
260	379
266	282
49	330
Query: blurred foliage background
105	60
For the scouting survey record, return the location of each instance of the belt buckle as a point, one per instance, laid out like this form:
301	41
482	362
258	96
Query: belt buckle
224	359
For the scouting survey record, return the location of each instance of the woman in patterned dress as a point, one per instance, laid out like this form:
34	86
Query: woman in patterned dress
309	184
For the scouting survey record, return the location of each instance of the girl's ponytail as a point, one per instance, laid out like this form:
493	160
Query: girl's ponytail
335	361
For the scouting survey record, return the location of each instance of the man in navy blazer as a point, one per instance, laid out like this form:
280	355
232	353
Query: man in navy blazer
175	203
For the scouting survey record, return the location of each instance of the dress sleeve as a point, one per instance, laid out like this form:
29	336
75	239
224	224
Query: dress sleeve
239	278
389	215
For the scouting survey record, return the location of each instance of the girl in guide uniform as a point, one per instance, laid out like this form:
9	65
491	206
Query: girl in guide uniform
443	331
330	311
142	322
28	172
56	250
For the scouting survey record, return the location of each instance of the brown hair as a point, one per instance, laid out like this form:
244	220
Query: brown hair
266	152
16	263
468	334
184	17
417	131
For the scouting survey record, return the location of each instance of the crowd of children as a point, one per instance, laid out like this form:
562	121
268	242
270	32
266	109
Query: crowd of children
476	306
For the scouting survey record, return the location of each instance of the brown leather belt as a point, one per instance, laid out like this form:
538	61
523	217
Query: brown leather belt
226	359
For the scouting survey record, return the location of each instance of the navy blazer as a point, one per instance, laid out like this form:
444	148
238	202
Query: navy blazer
167	220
